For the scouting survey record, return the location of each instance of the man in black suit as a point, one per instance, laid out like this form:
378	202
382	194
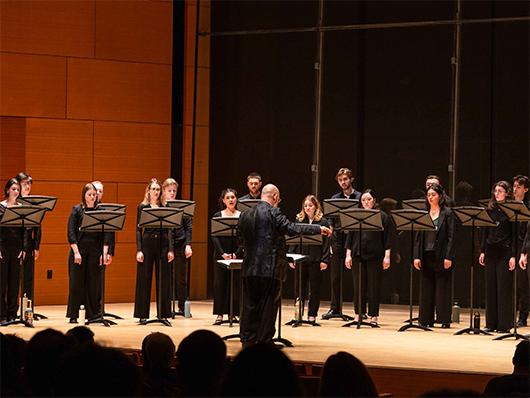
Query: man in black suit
520	188
261	231
254	187
345	179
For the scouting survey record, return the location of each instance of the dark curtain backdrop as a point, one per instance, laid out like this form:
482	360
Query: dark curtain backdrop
386	107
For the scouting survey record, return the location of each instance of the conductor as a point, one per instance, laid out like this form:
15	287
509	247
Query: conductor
261	232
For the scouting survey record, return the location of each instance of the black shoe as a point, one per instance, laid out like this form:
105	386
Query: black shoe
488	330
142	320
365	316
521	322
329	314
503	331
425	325
446	325
73	320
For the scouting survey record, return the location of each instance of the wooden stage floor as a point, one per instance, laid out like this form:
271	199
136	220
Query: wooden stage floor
385	348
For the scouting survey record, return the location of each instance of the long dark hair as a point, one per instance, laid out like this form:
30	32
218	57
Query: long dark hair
87	188
372	194
506	186
223	193
441	193
9	184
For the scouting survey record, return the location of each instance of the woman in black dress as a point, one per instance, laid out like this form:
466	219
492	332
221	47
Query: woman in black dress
433	254
318	260
84	258
11	249
148	251
373	256
498	256
226	248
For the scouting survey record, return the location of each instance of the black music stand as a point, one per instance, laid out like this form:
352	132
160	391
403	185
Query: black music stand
162	218
484	202
413	220
332	208
226	226
48	203
359	220
188	208
302	240
232	265
245	204
474	217
516	211
414	204
112	207
23	216
102	221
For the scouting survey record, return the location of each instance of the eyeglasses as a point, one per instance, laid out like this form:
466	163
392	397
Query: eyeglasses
155	189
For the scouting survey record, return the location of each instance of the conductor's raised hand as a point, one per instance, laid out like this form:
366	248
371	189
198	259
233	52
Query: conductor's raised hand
325	231
417	264
140	257
523	261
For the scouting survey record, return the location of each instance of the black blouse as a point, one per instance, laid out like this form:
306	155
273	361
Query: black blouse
225	244
500	236
12	236
74	223
166	233
316	253
374	243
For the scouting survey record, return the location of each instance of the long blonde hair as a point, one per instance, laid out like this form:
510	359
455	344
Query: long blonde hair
318	212
147	196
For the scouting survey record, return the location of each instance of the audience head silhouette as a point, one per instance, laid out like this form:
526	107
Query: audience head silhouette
158	352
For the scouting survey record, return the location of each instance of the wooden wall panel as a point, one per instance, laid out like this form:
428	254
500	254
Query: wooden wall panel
48	27
59	150
32	86
131	152
141	31
120	280
110	190
55	223
52	257
119	91
130	195
12	147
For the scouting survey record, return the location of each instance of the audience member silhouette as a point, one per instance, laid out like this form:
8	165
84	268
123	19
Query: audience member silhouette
45	351
82	335
95	371
345	376
450	393
158	354
262	370
12	357
201	362
517	384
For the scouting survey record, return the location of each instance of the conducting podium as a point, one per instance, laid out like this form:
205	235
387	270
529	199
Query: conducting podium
516	211
161	218
103	221
360	220
303	241
188	212
412	220
22	216
48	203
332	209
226	226
471	216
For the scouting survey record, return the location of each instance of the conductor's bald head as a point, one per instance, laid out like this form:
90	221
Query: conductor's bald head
271	194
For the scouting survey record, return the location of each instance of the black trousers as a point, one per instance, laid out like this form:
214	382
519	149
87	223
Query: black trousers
261	300
499	288
222	288
435	288
84	278
9	280
372	273
310	273
144	276
522	292
179	274
337	261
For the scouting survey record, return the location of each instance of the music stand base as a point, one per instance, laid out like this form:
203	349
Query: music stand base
38	317
105	322
17	322
414	320
472	331
412	326
345	318
164	322
297	323
359	324
230	321
175	314
516	335
112	315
